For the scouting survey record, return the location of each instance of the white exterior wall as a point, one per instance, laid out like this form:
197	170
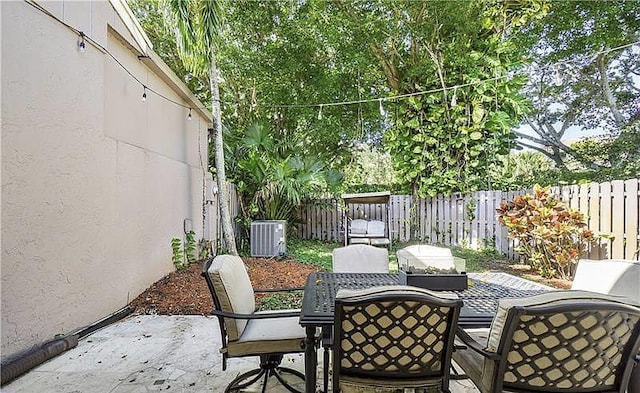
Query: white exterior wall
95	182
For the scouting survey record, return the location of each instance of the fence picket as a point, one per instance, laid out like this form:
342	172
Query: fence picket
609	209
632	216
617	216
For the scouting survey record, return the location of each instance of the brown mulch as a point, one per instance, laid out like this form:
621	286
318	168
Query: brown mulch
185	292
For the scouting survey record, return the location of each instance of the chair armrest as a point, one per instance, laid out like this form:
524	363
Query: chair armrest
256	316
268	290
473	344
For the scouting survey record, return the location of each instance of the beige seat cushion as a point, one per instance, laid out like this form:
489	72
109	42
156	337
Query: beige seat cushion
233	287
277	335
381	241
360	258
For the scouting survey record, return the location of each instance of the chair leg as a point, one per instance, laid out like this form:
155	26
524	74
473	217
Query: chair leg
269	366
282	370
250	377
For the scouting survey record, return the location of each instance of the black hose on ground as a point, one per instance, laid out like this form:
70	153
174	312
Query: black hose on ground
29	360
25	362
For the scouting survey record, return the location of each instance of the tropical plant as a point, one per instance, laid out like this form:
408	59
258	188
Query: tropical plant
177	256
274	179
551	235
197	25
190	247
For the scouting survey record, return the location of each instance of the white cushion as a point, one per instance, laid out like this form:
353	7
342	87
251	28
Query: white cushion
375	228
423	257
277	335
360	258
617	277
233	287
358	227
543	299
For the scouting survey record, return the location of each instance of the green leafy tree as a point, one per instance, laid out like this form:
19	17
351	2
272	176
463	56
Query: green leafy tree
197	25
370	169
151	17
518	171
444	142
282	58
578	79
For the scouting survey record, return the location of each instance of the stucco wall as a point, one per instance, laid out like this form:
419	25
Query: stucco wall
94	181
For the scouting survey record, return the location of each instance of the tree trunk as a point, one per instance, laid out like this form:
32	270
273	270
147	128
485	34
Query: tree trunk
223	192
608	94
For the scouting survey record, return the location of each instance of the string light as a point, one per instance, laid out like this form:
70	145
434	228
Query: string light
383	113
84	38
189	117
557	78
81	45
454	99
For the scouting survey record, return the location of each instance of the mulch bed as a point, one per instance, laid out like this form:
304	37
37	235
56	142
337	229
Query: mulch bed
185	292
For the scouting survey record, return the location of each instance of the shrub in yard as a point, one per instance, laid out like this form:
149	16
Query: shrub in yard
552	236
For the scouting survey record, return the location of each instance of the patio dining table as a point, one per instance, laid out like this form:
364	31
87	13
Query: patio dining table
480	301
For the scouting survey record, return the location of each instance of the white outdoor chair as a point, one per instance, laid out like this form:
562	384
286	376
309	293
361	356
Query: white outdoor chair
616	277
360	258
358	228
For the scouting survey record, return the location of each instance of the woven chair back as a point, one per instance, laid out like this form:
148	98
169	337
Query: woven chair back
585	348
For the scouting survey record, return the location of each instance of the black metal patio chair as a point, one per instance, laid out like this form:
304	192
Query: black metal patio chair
245	332
561	341
393	337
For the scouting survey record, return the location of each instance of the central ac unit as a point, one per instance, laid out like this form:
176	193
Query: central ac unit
268	238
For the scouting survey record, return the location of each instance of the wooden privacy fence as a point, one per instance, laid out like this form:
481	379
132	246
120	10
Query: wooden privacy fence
611	209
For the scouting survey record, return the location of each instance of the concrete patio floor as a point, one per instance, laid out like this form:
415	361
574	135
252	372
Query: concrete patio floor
149	353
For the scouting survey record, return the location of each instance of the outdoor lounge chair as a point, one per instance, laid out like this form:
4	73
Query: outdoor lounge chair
561	341
360	258
246	332
393	337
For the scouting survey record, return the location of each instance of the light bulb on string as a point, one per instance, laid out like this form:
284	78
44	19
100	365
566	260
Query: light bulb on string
454	99
320	113
144	94
383	113
189	117
81	44
557	78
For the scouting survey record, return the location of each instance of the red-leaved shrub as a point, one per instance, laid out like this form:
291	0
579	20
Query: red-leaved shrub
551	235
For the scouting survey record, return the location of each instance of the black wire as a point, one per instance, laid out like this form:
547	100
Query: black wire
103	49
